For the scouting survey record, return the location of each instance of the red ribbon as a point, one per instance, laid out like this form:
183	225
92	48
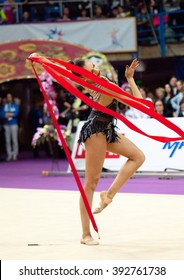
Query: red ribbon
67	152
147	107
65	77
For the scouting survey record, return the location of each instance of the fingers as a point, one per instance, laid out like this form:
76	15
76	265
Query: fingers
134	64
32	56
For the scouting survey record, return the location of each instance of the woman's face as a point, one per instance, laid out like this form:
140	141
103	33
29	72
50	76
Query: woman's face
159	107
9	98
91	68
167	88
182	107
179	85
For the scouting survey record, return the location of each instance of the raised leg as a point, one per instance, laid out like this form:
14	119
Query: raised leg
135	159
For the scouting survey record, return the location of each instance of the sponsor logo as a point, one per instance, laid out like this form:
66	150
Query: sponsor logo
173	147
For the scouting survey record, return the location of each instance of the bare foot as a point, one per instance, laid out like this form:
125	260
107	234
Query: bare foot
88	240
104	202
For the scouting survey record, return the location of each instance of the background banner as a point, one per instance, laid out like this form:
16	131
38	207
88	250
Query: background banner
158	155
13	56
111	35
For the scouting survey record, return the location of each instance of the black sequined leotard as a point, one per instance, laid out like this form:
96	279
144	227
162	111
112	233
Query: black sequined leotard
99	122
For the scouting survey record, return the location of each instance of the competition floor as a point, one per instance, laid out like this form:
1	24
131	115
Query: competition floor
40	219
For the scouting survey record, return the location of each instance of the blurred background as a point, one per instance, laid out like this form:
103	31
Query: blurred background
110	33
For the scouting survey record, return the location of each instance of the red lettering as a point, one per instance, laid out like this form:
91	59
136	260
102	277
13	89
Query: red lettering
80	153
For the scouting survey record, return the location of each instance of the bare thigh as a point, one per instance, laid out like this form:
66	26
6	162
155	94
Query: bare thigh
95	149
124	147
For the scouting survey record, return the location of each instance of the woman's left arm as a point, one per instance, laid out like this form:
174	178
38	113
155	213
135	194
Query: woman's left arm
129	74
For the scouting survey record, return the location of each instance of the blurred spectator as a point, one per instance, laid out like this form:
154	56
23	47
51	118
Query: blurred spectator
122	108
169	111
25	17
172	82
175	101
114	4
79	112
1	129
80	109
150	95
159	107
176	19
83	15
179	86
134	113
10	112
66	14
181	110
98	12
123	12
53	12
8	7
143	24
25	5
160	93
64	107
35	10
3	18
114	12
35	120
156	7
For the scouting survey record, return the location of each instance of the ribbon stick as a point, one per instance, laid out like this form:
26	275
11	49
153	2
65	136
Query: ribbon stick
67	152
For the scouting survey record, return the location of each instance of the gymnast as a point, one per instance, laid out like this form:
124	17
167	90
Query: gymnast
99	135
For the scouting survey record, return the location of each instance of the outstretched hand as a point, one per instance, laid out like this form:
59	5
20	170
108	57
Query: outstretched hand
129	71
33	55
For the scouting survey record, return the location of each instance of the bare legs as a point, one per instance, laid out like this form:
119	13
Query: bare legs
135	159
96	147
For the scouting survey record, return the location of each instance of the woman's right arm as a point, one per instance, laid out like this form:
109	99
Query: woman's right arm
36	55
45	59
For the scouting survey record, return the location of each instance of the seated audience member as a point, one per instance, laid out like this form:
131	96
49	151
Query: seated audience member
66	14
3	18
134	113
159	107
83	15
169	110
25	17
123	12
172	82
160	93
98	12
175	101
181	110
8	8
